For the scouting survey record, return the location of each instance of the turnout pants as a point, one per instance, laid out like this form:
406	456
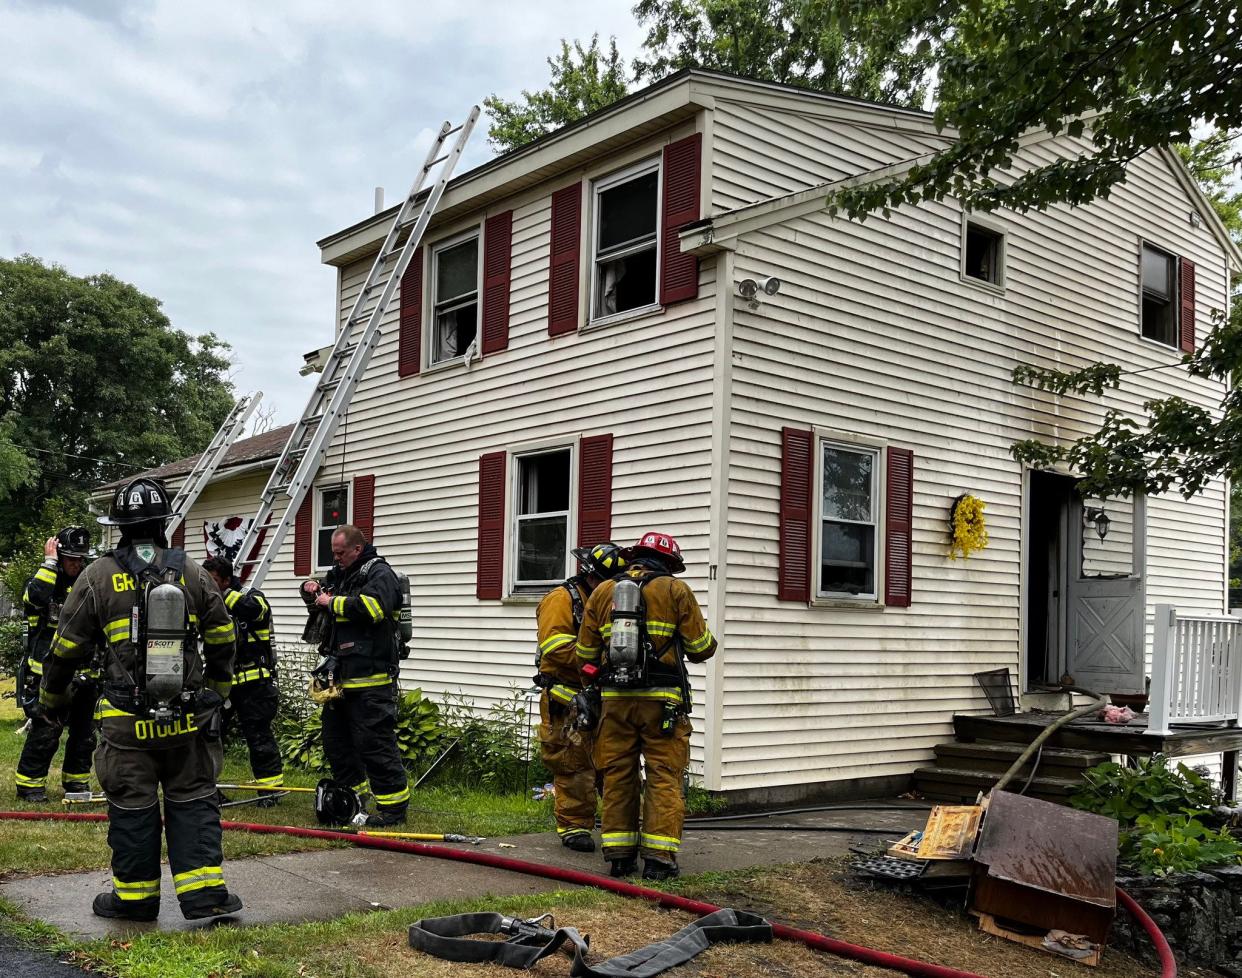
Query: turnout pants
573	772
132	779
360	743
253	707
44	738
629	727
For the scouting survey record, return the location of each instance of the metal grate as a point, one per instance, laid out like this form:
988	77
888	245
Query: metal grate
890	867
998	688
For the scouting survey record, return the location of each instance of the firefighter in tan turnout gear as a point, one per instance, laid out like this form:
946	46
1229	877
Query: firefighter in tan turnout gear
640	629
159	714
566	752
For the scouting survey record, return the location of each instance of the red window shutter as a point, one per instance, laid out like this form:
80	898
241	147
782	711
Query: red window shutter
364	505
898	527
1186	293
679	274
563	263
490	578
595	491
178	539
497	249
410	332
797	467
302	536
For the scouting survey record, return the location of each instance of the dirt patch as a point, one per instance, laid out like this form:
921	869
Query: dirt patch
823	896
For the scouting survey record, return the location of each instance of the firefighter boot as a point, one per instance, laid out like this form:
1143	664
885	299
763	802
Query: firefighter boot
385	817
219	905
658	869
578	841
111	906
33	795
626	866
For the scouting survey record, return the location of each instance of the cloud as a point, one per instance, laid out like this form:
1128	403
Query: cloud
199	149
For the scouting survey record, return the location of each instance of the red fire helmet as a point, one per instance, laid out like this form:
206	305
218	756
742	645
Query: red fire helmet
656	543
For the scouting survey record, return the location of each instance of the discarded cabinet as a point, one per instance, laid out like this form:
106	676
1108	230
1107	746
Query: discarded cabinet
1041	867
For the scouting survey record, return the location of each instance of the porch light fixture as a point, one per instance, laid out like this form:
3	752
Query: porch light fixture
1097	516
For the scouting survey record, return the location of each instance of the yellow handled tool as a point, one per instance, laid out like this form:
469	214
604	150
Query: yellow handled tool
473	840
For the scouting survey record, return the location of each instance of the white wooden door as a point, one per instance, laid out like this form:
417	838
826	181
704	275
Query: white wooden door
1106	613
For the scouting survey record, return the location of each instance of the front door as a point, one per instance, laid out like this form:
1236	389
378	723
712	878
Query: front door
1106	608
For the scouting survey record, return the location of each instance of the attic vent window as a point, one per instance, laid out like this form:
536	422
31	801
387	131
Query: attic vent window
626	219
983	253
456	297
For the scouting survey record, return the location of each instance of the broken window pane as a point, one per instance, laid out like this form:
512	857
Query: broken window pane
456	300
333	512
983	253
626	219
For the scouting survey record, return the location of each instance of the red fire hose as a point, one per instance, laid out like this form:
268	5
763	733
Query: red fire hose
819	942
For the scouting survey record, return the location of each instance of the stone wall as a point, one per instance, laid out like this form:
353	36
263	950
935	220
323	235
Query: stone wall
1199	913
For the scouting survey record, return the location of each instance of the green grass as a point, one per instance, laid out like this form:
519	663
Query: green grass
34	848
274	950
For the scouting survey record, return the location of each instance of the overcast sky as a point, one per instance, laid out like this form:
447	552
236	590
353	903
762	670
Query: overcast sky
199	149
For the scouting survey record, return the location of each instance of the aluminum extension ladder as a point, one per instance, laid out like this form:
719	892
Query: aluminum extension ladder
295	471
211	458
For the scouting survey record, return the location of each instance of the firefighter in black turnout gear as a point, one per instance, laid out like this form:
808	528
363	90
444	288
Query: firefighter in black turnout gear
159	715
359	601
253	699
43	598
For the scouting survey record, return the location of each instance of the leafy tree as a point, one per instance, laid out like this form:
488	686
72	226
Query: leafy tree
829	45
27	547
94	383
583	80
1126	75
840	46
1180	445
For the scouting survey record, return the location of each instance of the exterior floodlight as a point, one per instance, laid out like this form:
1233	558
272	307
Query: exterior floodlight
770	285
748	288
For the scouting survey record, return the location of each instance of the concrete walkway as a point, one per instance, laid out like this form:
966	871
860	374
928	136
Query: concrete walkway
324	884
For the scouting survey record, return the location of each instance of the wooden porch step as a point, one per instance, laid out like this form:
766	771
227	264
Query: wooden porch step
1055	762
962	786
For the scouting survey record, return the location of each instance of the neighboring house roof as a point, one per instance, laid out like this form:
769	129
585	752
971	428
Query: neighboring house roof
649	110
245	451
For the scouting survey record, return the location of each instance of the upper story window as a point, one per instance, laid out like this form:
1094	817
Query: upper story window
333	511
455	297
625	241
983	254
849	517
541	517
1159	296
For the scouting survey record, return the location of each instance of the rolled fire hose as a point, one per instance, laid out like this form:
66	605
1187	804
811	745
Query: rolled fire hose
818	942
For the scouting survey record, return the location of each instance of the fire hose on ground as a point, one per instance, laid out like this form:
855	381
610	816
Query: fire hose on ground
818	942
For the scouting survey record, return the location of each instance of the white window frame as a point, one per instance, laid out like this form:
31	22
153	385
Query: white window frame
879	453
598	187
432	318
516	587
1002	251
1175	296
318	524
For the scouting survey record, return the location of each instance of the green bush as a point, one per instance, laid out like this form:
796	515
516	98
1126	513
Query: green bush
498	750
12	645
419	733
1150	788
1164	844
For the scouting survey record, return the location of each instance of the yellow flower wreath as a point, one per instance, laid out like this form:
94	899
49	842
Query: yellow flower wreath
970	531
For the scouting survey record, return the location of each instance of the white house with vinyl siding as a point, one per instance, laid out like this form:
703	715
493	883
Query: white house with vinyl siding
570	360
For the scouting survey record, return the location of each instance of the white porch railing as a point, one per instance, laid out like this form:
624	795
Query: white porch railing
1196	670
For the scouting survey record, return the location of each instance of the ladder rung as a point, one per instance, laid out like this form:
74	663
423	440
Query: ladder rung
438	159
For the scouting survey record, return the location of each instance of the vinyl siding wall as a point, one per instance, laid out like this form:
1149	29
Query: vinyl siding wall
875	336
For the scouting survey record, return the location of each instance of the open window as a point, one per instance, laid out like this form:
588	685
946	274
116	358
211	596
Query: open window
983	254
1159	296
542	482
455	297
331	511
625	241
849	521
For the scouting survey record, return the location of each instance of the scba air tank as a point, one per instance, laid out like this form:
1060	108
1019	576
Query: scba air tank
623	643
404	619
165	651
